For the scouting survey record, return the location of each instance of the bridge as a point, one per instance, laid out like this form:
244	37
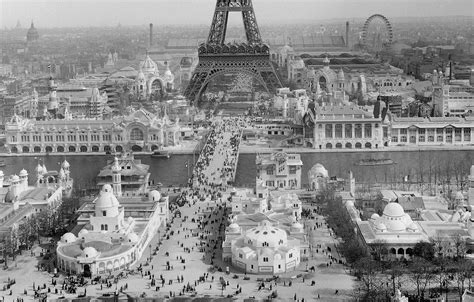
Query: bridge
217	162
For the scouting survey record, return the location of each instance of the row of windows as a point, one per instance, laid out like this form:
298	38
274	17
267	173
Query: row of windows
348	129
430	139
421	131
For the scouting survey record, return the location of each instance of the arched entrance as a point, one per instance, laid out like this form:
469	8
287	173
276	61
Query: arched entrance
322	83
368	145
338	146
60	149
37	149
154	147
83	149
49	149
95	148
119	148
136	148
358	146
14	150
348	146
136	134
87	271
107	149
328	146
25	149
72	149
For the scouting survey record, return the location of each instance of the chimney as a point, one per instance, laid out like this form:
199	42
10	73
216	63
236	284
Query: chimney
347	34
151	35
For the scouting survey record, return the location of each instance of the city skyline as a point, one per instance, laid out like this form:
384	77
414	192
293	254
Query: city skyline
74	13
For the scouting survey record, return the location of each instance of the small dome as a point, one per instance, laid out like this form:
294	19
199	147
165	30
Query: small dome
106	198
15	178
65	164
318	170
82	233
141	76
393	209
68	238
132	238
23	172
155	195
268	234
90	252
375	216
148	65
381	227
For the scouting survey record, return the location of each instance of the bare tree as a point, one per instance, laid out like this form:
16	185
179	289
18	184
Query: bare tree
421	273
367	271
462	274
379	249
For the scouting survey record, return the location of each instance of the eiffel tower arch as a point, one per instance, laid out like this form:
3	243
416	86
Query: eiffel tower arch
217	58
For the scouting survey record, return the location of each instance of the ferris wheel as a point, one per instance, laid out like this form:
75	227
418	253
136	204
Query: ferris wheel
377	33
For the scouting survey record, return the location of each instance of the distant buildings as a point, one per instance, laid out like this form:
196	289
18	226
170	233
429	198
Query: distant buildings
32	34
138	131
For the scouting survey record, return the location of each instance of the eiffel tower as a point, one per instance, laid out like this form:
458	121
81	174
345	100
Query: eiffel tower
217	58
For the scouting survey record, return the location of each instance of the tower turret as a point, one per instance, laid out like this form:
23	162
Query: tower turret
117	178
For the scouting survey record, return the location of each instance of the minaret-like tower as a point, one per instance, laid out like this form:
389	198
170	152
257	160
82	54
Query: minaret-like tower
23	180
117	178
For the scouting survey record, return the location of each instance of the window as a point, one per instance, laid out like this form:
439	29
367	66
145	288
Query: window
338	129
104	213
368	130
412	139
348	130
467	134
439	138
279	265
290	255
358	130
136	134
395	139
241	256
457	134
328	131
265	259
403	139
421	139
292	169
403	131
106	137
270	171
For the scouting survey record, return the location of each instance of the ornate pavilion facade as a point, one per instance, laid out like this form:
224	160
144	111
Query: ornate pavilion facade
138	131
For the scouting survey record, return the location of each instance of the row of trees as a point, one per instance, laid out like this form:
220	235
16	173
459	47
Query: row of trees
437	266
378	280
49	222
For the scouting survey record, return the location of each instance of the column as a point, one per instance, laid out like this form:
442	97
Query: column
353	132
444	135
462	136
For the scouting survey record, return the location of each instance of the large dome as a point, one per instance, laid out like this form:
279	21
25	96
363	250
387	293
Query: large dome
106	198
393	209
32	34
266	234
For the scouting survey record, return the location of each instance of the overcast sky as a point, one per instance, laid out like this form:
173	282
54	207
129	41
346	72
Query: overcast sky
67	13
